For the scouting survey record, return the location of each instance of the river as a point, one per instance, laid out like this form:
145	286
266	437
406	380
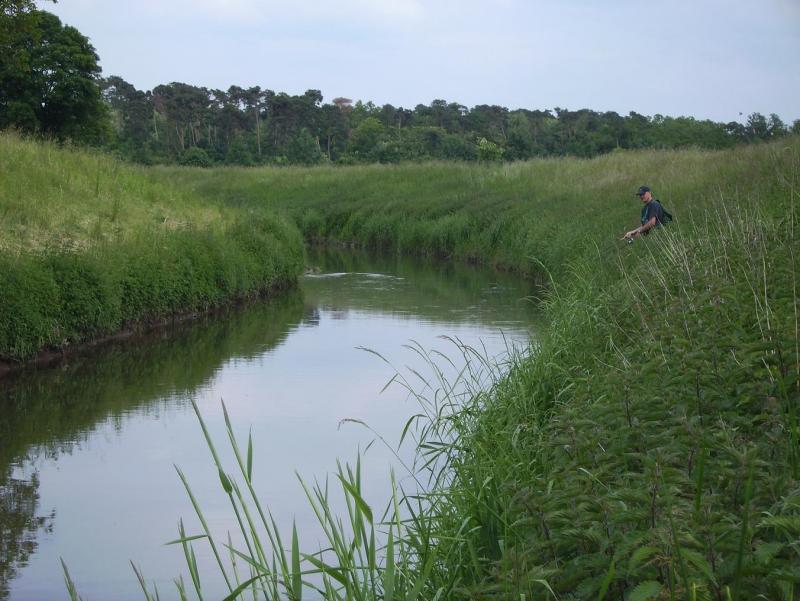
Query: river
88	447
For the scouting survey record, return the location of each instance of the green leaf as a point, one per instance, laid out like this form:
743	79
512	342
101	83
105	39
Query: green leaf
73	592
699	562
765	552
250	456
334	573
360	502
640	556
606	582
546	584
226	483
388	573
297	582
185	539
648	589
242	587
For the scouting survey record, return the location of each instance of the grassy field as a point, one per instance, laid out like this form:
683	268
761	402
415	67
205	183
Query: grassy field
648	449
89	246
519	216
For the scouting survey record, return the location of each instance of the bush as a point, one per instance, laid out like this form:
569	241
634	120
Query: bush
195	157
59	299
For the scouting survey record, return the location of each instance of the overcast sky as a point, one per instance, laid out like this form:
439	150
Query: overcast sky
705	58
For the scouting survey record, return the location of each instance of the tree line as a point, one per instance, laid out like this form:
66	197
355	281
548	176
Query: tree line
50	84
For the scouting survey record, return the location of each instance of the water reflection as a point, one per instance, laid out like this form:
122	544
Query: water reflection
433	290
19	524
93	439
47	412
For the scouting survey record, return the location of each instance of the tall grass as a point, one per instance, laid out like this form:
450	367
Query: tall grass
89	246
521	216
56	198
649	449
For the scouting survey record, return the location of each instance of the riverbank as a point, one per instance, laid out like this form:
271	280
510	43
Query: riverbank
92	247
529	217
650	448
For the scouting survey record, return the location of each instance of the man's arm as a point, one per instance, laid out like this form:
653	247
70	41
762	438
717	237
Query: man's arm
651	223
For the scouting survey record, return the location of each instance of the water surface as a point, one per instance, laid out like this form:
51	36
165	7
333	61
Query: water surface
88	448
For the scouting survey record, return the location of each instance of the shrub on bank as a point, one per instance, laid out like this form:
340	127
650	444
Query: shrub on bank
55	299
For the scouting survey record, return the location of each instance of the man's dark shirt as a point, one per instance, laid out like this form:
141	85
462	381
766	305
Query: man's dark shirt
653	209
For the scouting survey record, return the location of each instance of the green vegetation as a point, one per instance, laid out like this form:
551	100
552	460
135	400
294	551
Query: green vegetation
648	449
91	246
529	217
187	124
178	122
48	76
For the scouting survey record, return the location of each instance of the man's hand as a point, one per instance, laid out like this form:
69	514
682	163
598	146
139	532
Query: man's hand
630	234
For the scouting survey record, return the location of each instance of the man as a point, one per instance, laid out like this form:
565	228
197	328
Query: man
652	214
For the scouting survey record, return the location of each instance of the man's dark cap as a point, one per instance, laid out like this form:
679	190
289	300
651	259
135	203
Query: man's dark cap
642	190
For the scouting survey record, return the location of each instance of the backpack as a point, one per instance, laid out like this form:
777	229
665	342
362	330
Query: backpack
666	217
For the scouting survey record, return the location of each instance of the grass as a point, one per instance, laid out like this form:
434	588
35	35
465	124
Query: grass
527	217
91	246
52	198
649	449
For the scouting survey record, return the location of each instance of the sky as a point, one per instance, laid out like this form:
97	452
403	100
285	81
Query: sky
710	59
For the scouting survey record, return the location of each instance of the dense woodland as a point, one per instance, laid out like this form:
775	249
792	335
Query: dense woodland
50	85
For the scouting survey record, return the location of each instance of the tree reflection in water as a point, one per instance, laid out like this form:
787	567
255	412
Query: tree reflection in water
19	524
46	412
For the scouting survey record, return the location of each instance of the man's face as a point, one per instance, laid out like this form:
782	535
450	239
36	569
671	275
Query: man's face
646	197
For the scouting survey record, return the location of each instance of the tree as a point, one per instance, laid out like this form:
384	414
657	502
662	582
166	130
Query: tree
287	115
132	113
303	149
520	138
757	127
48	78
239	152
776	127
366	137
333	129
489	151
488	122
186	109
195	157
458	148
19	523
442	114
